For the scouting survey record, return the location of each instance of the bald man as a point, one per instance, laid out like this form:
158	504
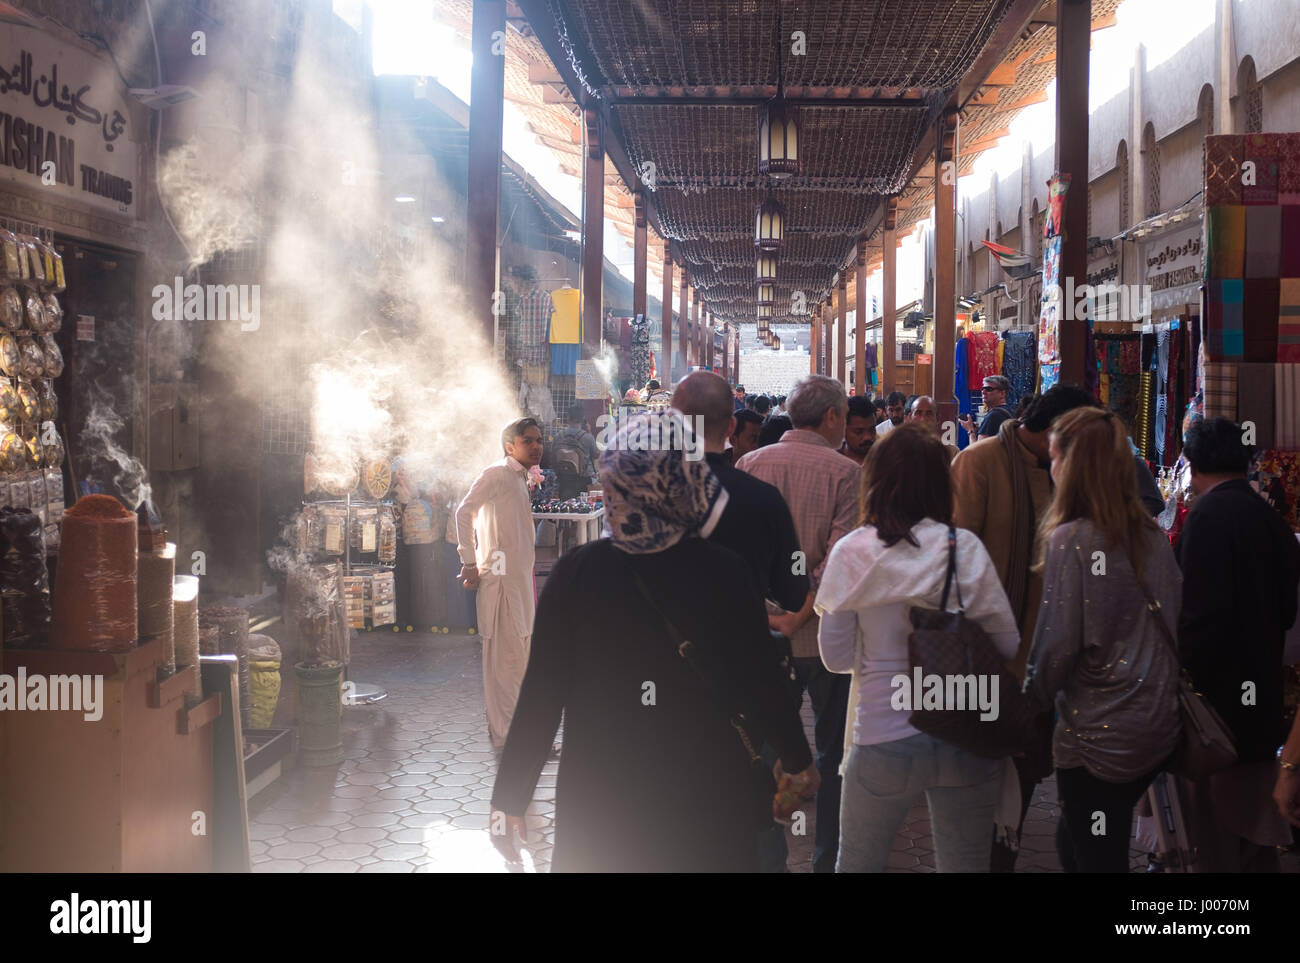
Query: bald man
757	526
924	413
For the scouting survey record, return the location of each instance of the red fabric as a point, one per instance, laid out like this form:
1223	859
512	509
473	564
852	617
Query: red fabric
983	357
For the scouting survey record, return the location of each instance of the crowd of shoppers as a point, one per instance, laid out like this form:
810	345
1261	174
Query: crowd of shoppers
796	558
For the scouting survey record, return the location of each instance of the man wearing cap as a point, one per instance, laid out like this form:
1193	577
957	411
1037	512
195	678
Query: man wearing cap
994	394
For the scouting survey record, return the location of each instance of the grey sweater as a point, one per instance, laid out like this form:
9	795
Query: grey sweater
1099	654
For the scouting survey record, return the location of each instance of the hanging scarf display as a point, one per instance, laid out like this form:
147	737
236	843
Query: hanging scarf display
1162	395
1142	416
983	355
1018	364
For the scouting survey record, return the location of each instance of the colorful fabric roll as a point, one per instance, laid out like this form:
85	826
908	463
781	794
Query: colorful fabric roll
1276	476
1226	240
1220	389
1288	170
1256	400
1286	405
1223	156
1263	241
1262	151
1224	327
1288	321
1260	314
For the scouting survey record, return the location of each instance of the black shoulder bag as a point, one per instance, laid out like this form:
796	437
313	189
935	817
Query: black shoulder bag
955	649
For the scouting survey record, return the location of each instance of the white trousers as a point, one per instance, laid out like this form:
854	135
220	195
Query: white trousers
505	658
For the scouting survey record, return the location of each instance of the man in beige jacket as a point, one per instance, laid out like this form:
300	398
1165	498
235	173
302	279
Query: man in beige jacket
1001	488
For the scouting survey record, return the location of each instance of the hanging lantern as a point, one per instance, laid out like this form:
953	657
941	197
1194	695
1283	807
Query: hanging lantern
766	267
778	138
776	342
767	293
769	226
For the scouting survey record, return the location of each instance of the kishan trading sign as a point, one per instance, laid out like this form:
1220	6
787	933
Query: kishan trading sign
63	122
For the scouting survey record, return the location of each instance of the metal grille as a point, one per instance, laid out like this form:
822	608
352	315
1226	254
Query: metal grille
286	419
1151	170
1121	162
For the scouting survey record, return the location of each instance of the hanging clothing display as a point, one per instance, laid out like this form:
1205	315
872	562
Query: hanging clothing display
639	350
982	356
1018	364
1276	476
566	320
1288	321
530	314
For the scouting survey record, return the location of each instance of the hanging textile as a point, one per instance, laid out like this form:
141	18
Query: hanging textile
1276	476
1256	399
983	357
1288	169
1261	151
1260	313
564	358
533	309
1288	322
1103	392
1002	345
1224	325
1091	370
639	350
1177	394
566	321
1289	265
1160	420
1142	415
1226	240
1223	156
1018	365
1220	388
961	391
1286	405
1263	242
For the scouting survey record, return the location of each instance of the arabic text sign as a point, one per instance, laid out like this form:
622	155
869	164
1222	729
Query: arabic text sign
63	121
588	383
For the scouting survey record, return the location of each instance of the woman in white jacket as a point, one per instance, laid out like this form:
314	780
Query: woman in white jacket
895	560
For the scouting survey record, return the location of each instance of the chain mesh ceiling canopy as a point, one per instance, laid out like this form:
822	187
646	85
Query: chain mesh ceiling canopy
685	81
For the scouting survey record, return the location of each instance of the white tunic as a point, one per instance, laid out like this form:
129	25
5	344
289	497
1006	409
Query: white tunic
494	530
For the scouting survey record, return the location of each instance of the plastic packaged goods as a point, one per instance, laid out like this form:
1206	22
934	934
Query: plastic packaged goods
95	583
37	269
19	493
387	535
24	259
36	497
52	262
9	357
31	361
53	356
53	314
29	403
11	309
154	598
9	260
51	449
365	529
48	401
54	494
11	409
24	582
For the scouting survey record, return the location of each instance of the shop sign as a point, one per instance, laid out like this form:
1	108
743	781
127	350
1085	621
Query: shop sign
588	383
64	122
1173	262
85	327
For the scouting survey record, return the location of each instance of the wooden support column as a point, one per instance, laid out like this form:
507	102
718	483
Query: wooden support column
889	296
639	241
860	334
593	236
945	266
683	326
483	200
665	357
842	328
1073	30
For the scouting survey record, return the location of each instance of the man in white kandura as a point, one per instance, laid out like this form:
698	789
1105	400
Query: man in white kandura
494	529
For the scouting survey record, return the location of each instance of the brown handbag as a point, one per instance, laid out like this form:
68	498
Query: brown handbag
1205	746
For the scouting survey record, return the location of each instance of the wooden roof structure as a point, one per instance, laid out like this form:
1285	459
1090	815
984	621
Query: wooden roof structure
679	85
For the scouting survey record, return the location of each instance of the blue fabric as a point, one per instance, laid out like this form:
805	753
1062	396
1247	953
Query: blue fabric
961	391
1019	364
564	358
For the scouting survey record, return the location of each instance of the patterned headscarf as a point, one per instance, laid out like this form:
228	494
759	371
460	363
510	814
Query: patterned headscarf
654	494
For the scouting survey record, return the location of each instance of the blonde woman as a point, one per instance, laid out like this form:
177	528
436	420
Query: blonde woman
1098	652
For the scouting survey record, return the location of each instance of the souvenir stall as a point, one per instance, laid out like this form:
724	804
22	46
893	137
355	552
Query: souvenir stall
981	352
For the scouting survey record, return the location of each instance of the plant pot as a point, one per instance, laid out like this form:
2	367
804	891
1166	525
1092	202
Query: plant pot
319	709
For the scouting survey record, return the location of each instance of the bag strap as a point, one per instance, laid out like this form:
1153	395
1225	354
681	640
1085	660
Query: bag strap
951	575
1154	608
684	647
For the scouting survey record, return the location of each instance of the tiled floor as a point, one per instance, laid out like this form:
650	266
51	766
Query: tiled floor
412	793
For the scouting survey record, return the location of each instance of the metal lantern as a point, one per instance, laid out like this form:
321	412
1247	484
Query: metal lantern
767	293
769	226
776	342
766	267
778	138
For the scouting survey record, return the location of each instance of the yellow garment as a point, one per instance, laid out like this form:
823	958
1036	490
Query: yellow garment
1002	349
566	320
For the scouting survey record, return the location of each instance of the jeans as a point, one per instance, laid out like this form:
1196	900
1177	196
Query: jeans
1096	820
882	782
829	694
